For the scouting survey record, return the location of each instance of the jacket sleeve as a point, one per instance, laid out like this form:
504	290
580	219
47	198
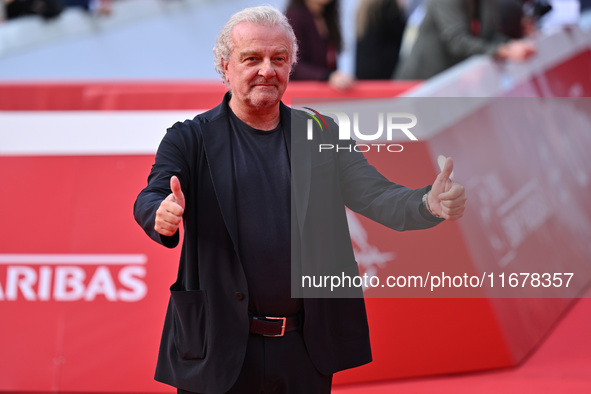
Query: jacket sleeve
171	159
366	191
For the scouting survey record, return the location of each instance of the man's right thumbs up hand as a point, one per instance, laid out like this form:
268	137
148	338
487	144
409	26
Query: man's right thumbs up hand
170	212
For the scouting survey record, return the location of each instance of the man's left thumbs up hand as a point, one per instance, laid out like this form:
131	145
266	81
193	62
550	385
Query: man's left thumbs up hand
446	199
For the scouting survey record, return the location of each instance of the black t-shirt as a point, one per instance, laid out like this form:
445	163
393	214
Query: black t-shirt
263	196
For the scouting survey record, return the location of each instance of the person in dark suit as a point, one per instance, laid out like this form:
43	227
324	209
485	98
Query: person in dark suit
379	30
249	191
454	30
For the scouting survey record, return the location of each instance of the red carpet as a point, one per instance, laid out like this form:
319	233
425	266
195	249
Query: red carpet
562	364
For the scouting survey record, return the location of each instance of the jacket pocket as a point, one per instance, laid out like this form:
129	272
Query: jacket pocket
189	323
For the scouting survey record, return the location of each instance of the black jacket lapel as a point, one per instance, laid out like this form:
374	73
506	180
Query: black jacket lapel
218	150
300	166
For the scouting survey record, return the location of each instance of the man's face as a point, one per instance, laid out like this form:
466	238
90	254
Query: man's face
259	65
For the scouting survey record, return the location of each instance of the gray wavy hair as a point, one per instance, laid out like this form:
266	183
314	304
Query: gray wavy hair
264	15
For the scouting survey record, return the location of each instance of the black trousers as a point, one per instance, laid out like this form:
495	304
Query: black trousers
278	366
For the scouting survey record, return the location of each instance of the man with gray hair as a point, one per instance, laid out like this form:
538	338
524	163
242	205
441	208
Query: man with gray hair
231	177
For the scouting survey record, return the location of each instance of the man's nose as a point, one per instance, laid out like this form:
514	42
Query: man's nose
267	70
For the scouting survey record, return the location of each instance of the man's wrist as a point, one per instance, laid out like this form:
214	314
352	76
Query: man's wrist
425	209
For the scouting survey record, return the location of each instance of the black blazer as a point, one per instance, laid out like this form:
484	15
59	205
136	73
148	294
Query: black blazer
206	327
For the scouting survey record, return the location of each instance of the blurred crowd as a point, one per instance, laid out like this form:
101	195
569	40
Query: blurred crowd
394	39
49	9
448	32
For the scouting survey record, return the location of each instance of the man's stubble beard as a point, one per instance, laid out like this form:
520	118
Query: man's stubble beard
263	99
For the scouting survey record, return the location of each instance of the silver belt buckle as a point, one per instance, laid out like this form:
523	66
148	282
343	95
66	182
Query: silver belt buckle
283	320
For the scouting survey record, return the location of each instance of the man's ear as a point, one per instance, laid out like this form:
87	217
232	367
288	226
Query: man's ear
225	63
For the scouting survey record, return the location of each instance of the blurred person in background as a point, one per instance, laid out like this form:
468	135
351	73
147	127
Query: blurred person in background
47	9
454	30
380	26
317	27
50	9
97	7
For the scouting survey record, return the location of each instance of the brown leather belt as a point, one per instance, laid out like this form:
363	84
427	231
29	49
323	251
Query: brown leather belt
270	326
